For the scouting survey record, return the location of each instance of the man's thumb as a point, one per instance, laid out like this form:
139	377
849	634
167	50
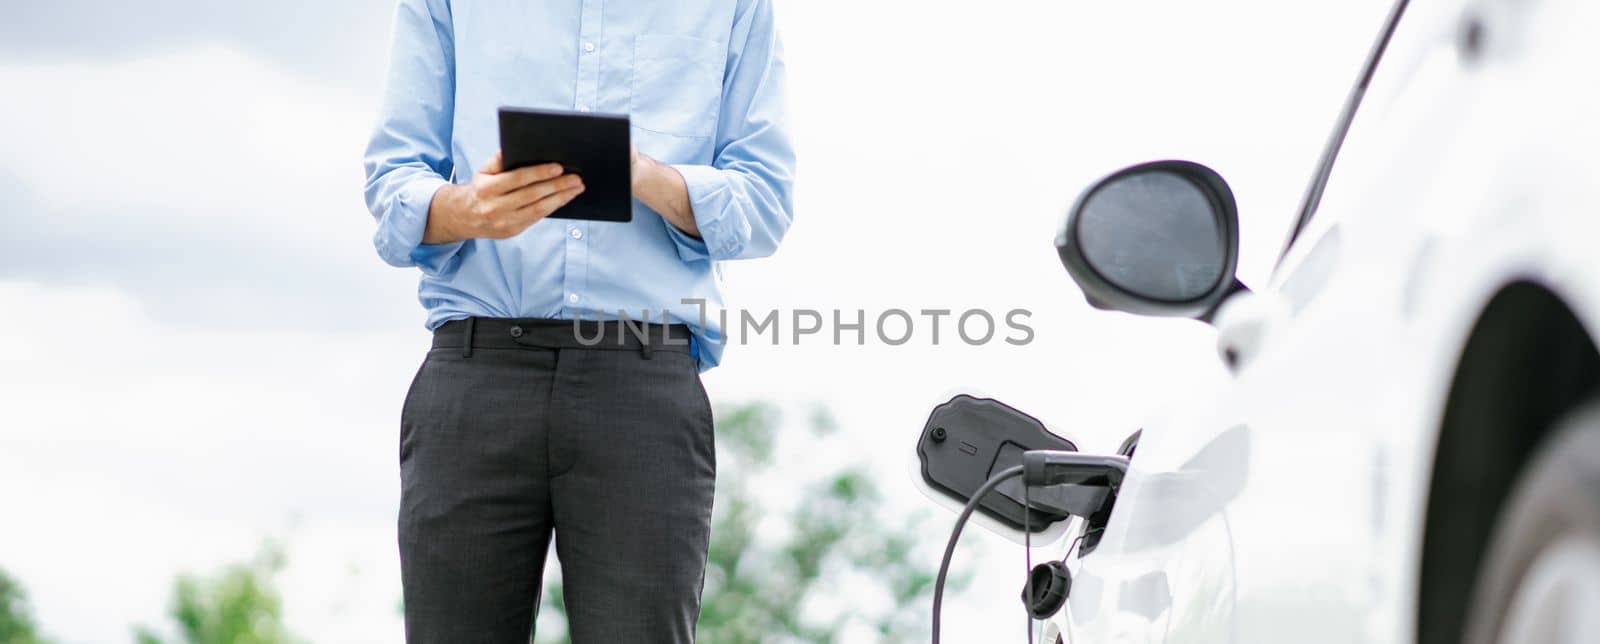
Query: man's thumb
493	166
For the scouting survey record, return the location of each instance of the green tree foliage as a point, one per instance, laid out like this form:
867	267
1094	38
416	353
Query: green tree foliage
16	616
240	605
838	564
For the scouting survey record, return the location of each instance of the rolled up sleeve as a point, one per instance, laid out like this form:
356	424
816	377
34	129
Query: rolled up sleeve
401	227
743	202
408	156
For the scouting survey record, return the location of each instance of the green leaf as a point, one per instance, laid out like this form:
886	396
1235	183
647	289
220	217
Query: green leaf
238	605
16	616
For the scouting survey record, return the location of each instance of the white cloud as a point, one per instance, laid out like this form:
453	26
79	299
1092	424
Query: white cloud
333	42
217	188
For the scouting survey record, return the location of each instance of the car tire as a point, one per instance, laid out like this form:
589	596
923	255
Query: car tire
1540	582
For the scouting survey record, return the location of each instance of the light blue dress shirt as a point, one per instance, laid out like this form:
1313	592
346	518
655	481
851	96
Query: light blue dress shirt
703	82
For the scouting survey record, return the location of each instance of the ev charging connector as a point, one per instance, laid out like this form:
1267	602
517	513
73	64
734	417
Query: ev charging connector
1041	468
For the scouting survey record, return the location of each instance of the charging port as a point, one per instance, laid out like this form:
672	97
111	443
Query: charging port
968	439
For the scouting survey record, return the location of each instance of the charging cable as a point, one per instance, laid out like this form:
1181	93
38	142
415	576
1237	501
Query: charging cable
1027	556
955	535
1040	468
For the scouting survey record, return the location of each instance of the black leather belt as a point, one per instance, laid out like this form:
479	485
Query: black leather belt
540	333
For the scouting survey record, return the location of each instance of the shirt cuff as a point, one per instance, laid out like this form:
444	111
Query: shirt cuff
399	238
723	234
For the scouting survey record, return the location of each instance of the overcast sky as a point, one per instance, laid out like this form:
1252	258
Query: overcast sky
206	351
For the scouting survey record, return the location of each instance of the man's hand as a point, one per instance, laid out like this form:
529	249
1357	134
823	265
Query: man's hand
498	205
663	189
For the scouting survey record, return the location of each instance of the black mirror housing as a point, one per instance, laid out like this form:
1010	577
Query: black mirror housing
1158	238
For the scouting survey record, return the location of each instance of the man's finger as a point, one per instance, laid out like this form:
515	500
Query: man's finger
532	193
544	207
493	165
509	182
522	177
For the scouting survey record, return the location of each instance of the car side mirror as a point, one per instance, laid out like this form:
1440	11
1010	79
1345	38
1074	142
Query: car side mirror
1158	238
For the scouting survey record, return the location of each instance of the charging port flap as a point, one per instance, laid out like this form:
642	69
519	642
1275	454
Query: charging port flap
968	439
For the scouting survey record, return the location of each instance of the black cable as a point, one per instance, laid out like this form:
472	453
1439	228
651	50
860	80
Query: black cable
1070	547
955	535
1027	560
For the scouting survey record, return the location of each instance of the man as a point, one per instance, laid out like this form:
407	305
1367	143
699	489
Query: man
515	427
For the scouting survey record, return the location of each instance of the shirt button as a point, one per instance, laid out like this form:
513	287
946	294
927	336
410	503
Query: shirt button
583	108
572	297
588	47
576	234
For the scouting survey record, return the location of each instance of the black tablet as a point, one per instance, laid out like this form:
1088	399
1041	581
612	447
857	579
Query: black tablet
593	146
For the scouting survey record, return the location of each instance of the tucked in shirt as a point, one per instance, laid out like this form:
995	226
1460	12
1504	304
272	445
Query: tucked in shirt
703	84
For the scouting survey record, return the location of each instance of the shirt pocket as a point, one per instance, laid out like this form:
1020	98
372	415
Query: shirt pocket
677	84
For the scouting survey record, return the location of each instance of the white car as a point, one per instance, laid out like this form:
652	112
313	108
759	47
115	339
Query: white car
1407	448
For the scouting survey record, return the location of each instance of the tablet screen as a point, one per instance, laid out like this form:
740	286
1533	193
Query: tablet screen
593	146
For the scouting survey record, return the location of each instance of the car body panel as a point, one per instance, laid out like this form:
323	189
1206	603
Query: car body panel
1287	503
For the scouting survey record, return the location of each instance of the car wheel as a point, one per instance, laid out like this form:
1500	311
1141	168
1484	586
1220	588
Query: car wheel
1541	580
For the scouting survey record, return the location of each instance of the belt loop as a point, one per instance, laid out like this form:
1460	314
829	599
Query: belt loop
466	340
647	346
